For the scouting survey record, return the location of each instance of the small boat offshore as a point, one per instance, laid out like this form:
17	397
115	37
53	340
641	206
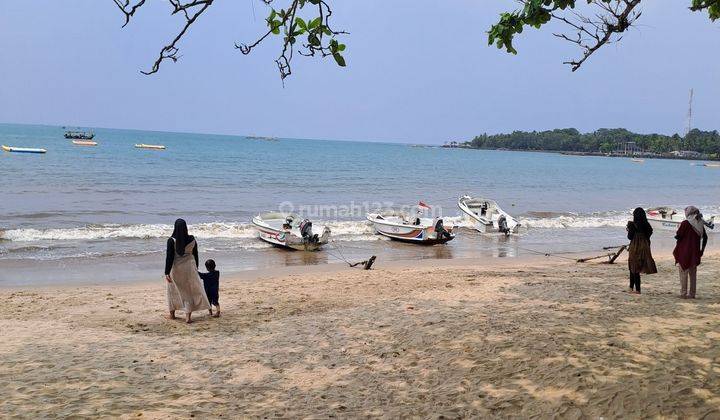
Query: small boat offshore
80	135
22	149
150	146
84	142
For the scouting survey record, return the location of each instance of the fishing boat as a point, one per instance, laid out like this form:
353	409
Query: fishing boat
80	135
400	226
668	218
22	149
487	215
84	143
150	146
287	230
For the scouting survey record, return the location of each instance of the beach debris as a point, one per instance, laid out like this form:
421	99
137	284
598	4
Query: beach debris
366	265
611	256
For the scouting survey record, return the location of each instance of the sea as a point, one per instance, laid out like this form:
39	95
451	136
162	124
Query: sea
103	214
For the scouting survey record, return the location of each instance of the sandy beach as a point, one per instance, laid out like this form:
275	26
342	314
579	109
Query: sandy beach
509	338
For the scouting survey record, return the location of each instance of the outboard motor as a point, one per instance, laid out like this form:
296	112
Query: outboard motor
440	230
502	225
306	231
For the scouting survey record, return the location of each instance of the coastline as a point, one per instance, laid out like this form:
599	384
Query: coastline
595	154
537	337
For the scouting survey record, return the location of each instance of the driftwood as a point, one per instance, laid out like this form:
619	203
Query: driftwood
612	256
366	265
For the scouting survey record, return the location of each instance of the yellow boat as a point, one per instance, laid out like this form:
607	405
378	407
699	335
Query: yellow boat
150	146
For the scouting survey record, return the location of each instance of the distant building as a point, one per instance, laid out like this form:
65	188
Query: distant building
686	154
629	148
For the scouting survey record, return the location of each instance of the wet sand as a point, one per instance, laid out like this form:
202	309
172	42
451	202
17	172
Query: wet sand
521	337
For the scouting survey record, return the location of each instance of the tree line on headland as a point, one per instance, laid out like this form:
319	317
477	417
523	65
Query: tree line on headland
602	141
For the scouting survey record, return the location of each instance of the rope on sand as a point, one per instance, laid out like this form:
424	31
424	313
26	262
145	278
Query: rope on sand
612	256
366	264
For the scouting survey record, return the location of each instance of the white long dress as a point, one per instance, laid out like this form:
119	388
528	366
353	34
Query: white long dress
186	292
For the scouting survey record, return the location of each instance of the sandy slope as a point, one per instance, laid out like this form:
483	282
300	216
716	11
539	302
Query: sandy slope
539	339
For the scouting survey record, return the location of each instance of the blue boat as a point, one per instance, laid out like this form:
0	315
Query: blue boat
22	149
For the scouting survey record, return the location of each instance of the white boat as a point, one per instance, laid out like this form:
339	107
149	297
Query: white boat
636	160
668	218
22	149
150	146
401	227
288	230
712	165
85	142
487	216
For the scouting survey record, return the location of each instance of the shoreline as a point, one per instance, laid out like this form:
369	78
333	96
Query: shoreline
78	273
595	154
537	338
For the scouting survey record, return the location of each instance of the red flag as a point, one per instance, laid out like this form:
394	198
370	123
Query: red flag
421	204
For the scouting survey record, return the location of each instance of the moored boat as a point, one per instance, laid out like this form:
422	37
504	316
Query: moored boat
487	216
80	135
84	143
400	226
668	218
637	160
288	230
22	149
150	146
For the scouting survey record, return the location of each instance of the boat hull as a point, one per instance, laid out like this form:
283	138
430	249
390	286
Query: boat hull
84	143
423	235
667	218
664	224
487	223
23	150
288	239
150	146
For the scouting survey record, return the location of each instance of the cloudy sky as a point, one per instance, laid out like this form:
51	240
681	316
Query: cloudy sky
418	71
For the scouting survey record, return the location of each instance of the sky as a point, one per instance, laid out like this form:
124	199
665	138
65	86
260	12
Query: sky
419	71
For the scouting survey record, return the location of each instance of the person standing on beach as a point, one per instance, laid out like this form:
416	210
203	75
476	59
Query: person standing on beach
640	260
185	291
688	250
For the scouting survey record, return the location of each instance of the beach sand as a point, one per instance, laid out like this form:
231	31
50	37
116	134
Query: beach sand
521	338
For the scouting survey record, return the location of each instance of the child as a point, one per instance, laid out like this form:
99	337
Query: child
211	281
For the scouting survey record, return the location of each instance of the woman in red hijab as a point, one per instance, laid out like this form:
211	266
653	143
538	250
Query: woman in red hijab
688	250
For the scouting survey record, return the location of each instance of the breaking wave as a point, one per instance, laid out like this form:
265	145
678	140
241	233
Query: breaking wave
360	230
110	231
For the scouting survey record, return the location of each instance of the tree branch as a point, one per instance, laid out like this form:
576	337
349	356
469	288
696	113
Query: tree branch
616	17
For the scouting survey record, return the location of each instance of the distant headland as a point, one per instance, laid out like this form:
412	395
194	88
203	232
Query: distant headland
696	144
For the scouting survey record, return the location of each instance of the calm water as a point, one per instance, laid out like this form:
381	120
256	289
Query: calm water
77	209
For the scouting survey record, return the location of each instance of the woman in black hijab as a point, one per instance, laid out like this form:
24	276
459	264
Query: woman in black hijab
640	260
185	291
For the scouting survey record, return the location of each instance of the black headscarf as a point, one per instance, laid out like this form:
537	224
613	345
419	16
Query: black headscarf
180	234
641	222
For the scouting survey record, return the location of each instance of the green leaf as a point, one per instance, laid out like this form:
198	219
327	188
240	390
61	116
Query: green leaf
301	23
313	40
339	59
314	23
341	47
